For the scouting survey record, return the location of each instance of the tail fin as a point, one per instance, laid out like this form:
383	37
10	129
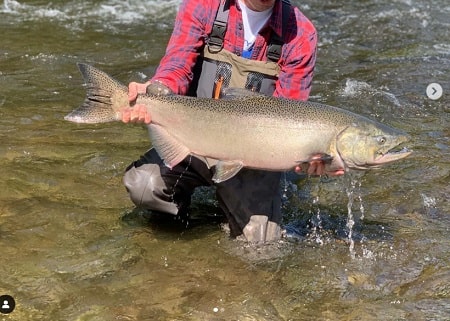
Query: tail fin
104	97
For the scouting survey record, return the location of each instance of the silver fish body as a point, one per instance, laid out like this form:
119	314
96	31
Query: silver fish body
245	129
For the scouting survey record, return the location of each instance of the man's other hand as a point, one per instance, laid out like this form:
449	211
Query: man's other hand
316	167
136	114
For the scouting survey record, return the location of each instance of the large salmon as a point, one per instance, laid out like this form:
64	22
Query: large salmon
245	129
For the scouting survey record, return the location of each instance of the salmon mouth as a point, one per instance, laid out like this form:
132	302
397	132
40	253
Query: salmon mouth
391	156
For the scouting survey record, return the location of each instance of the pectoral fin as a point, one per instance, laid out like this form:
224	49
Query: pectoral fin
168	148
226	170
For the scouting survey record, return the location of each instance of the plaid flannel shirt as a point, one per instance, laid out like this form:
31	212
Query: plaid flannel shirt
194	23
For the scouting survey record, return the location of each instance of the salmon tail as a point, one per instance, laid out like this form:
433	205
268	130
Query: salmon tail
104	98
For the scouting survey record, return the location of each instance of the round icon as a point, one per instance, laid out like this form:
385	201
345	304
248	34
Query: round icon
7	304
434	91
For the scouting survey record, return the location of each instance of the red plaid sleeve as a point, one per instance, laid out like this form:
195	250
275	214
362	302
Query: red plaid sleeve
298	60
192	26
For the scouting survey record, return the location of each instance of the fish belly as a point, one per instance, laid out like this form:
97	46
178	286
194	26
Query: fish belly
257	141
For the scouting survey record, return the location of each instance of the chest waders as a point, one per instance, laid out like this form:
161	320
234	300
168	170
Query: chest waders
234	72
216	63
250	200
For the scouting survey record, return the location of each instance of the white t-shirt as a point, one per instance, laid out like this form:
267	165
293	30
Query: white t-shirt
253	22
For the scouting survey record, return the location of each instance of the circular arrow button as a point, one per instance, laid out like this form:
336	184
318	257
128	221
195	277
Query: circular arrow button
434	91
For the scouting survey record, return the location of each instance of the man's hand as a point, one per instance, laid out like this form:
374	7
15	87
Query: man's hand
316	167
139	113
136	114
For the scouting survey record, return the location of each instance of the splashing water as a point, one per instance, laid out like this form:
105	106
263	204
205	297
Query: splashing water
316	220
353	190
355	88
10	6
184	220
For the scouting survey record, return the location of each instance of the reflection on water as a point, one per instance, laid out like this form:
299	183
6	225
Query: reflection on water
73	247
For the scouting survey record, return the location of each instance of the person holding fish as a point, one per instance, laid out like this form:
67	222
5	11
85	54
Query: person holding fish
264	46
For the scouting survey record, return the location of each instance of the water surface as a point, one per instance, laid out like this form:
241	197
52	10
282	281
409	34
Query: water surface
74	248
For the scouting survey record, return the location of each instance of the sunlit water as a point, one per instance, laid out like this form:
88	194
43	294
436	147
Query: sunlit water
367	247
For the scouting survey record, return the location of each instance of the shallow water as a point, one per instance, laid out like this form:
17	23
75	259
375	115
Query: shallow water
73	247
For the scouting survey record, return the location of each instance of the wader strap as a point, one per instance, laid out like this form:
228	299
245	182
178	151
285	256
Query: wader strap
276	42
215	40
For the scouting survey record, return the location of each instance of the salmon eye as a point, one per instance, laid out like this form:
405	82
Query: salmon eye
381	140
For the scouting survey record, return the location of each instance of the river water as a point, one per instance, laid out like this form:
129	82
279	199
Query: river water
73	247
